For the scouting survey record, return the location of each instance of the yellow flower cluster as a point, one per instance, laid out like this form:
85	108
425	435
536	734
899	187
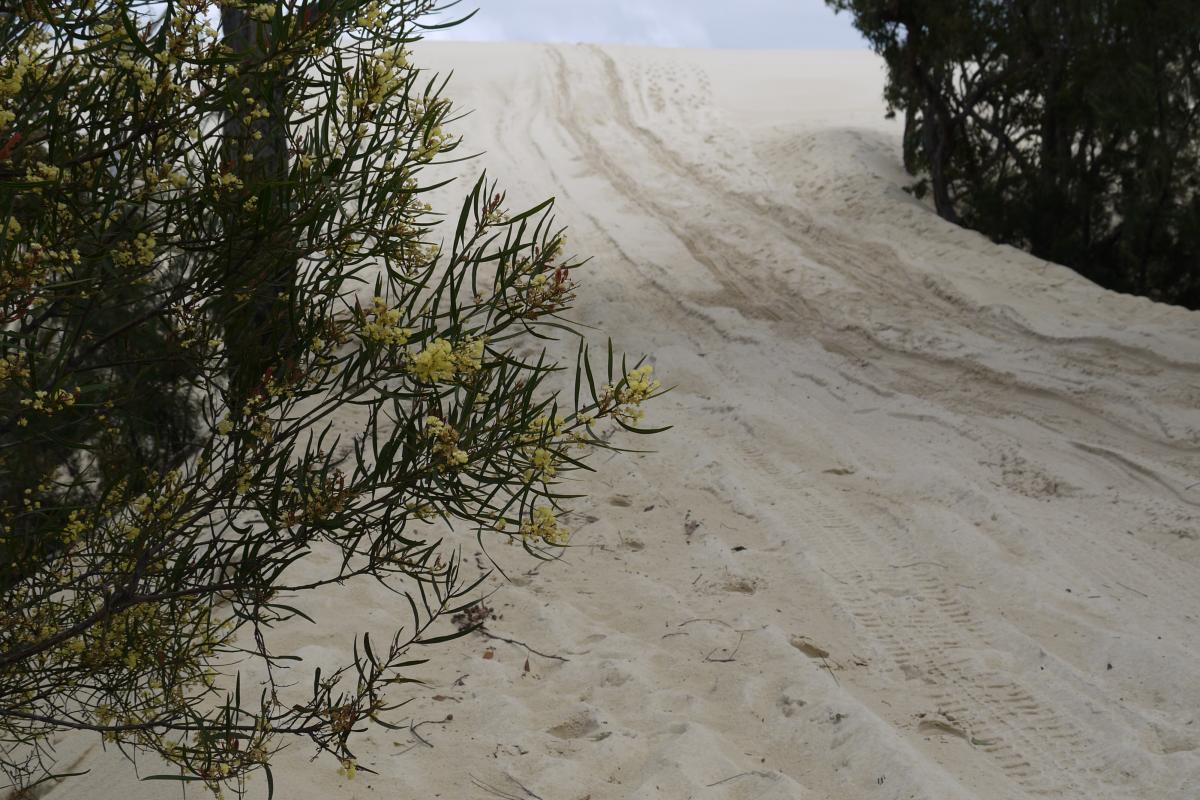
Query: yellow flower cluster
469	355
162	176
639	384
41	171
322	496
24	69
368	17
626	398
138	71
383	325
139	252
545	426
445	445
441	362
255	111
11	84
540	447
434	143
262	12
225	181
422	511
383	75
434	363
255	419
12	368
161	507
61	257
243	481
433	139
77	525
544	525
544	462
50	402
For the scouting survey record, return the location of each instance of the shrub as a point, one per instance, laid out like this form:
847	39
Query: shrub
237	366
1069	129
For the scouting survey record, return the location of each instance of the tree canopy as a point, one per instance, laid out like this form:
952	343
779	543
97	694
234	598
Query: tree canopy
1069	128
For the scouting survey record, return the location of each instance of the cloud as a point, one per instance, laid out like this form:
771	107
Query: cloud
661	25
781	24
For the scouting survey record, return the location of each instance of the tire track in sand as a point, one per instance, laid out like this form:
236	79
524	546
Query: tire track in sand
754	291
703	247
928	634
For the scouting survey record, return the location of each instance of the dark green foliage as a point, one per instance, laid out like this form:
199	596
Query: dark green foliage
1071	129
120	382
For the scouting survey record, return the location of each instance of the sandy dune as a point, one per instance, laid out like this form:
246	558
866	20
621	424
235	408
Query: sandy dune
928	524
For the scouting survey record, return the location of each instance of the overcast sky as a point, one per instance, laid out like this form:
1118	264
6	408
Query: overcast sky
775	24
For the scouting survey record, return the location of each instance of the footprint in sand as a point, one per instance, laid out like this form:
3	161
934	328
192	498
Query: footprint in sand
577	726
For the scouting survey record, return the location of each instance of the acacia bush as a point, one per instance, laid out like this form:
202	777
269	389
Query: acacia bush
242	359
1071	129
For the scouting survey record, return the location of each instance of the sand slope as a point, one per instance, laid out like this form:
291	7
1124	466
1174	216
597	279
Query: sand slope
928	523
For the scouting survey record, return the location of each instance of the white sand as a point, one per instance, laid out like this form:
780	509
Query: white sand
964	474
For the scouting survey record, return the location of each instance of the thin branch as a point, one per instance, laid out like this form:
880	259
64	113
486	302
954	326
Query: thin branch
491	635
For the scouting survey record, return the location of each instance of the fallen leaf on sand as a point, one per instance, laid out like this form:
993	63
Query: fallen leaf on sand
808	648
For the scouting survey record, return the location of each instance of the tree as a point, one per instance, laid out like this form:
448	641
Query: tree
1071	129
214	242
